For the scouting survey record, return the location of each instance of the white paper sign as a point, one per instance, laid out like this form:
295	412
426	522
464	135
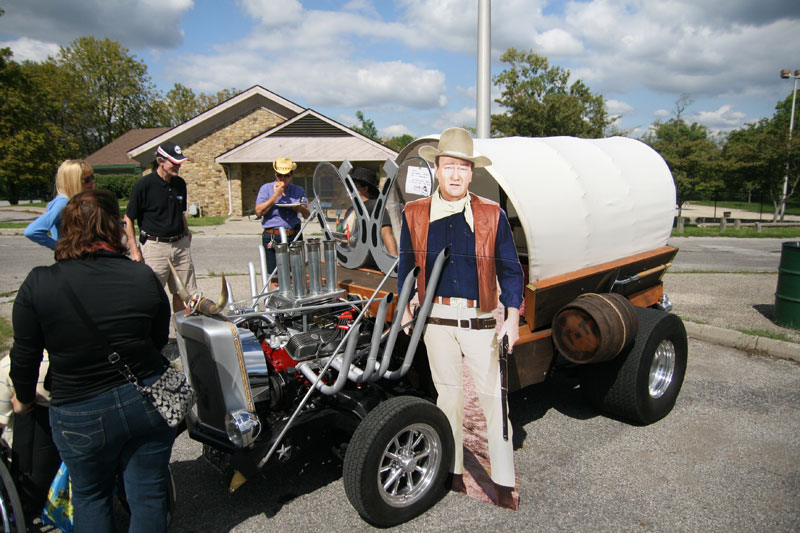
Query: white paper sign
418	181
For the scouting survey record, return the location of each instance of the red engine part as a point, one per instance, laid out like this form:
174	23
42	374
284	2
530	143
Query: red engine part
344	320
279	359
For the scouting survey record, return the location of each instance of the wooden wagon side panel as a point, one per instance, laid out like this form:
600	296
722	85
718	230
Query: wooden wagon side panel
545	297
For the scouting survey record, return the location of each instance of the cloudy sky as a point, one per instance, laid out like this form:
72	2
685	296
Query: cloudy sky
410	65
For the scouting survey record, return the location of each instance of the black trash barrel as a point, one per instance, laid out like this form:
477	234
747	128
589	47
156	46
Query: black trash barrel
787	295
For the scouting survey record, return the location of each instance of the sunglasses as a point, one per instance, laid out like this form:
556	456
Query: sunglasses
88	178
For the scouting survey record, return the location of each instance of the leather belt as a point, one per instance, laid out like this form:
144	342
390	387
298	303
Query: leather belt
165	239
448	301
276	231
464	323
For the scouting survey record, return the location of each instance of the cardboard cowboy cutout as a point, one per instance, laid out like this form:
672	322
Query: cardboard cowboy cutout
462	337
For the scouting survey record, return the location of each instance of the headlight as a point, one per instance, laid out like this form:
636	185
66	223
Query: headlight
243	427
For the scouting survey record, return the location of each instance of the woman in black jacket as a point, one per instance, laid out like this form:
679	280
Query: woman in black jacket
101	424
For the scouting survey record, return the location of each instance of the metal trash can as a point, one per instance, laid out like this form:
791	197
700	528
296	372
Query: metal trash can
787	295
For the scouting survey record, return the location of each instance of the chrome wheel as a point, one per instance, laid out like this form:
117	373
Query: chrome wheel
409	465
662	369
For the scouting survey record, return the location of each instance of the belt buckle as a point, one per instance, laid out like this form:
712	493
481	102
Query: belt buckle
467	320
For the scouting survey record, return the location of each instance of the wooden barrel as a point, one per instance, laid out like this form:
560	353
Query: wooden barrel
595	327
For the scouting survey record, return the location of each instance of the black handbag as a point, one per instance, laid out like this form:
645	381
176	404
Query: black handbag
170	394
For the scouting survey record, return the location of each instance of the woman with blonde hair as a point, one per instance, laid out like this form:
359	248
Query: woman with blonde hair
73	176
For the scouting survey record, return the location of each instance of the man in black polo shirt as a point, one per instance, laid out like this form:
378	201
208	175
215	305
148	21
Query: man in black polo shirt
158	203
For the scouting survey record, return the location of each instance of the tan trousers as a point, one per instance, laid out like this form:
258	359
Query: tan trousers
448	349
155	255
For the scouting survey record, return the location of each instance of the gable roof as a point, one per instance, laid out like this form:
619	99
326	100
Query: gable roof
221	114
331	142
115	153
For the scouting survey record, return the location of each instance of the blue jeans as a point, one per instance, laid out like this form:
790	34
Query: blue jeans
117	431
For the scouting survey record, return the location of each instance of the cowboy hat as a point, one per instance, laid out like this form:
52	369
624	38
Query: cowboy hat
284	165
455	142
368	178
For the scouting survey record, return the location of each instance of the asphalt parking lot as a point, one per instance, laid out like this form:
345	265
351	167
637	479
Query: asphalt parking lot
726	459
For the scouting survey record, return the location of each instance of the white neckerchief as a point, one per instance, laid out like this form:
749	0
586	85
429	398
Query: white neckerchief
441	208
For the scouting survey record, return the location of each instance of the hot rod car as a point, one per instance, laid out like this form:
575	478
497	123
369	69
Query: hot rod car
591	219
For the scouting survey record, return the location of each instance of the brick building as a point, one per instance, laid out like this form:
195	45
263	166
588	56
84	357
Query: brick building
231	148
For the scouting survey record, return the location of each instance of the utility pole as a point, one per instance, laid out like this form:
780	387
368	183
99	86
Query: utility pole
787	74
484	92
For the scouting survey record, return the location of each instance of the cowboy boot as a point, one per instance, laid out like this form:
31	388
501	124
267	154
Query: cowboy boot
457	483
505	497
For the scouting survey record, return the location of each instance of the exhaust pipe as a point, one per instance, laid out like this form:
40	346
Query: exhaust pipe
329	252
298	269
314	264
402	302
422	316
342	366
282	262
375	342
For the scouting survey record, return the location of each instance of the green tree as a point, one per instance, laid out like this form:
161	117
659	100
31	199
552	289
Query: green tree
692	156
760	156
540	102
207	101
32	143
105	90
366	128
181	104
399	142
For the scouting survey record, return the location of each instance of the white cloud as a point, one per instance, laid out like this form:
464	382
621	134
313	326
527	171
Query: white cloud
615	107
319	83
721	119
465	117
25	48
661	113
558	42
134	23
395	130
274	13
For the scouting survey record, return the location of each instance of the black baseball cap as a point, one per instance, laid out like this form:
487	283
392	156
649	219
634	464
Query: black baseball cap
170	150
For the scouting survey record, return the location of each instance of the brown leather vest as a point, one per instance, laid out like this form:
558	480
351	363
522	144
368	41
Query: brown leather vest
486	214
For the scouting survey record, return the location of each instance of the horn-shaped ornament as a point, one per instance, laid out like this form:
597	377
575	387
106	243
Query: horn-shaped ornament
208	307
182	292
196	303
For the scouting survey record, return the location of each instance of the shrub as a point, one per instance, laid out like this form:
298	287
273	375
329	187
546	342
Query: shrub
119	184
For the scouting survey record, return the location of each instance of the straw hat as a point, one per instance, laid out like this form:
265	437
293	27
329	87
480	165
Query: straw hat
455	142
284	165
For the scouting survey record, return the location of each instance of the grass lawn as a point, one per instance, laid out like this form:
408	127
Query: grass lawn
205	221
771	233
791	208
6	334
192	221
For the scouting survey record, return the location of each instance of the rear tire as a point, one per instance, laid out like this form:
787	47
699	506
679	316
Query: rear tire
397	461
642	383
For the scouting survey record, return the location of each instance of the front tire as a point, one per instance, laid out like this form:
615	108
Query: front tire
397	461
642	383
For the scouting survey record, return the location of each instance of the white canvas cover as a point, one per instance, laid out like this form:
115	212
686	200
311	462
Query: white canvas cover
581	202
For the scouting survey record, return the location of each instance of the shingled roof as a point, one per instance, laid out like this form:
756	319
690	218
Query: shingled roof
115	153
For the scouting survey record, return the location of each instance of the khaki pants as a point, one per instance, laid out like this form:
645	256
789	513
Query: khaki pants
156	254
448	349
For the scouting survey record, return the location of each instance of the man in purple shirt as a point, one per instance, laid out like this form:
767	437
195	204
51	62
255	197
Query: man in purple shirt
279	203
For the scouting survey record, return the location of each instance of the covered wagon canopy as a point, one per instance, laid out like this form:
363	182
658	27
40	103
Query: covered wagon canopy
580	202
